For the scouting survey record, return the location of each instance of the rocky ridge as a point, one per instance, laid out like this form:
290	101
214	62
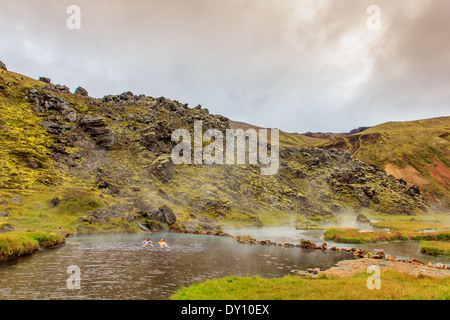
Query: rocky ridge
120	146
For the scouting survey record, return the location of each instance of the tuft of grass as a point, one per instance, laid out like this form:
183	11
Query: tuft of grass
435	248
25	146
394	286
77	201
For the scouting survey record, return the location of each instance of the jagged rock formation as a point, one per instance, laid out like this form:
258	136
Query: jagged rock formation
81	91
359	129
45	79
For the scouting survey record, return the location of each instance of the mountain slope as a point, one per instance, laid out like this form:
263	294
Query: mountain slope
286	139
417	151
81	164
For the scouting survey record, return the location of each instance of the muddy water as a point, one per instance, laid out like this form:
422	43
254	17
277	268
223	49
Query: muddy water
118	267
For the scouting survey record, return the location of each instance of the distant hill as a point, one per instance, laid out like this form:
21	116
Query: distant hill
75	163
286	139
326	135
417	151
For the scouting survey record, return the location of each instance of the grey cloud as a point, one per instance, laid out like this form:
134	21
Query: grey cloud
287	64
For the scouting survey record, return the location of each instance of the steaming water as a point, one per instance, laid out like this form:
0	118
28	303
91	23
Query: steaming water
116	266
399	249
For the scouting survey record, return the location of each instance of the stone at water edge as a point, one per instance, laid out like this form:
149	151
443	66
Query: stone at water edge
169	215
362	218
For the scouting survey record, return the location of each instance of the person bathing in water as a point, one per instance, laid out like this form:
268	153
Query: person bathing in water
147	242
162	243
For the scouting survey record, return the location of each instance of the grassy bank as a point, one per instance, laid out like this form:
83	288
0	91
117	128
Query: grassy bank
435	248
17	244
399	230
412	226
353	236
394	285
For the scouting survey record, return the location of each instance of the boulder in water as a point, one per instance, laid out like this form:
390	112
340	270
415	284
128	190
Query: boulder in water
362	218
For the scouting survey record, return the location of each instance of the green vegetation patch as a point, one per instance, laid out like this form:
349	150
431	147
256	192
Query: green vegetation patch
24	145
411	226
420	146
394	286
435	248
16	244
77	200
352	236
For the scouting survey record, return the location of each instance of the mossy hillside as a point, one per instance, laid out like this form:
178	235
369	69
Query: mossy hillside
134	171
352	236
432	217
424	140
413	226
25	147
287	196
39	211
420	147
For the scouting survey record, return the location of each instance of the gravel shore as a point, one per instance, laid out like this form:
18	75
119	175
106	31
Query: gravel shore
347	268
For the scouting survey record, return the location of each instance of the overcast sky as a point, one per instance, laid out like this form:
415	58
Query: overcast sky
297	65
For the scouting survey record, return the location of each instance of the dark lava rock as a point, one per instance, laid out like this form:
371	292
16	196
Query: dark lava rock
4	214
81	91
163	214
362	197
97	129
62	88
16	199
362	218
65	234
3	66
158	138
45	79
413	190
